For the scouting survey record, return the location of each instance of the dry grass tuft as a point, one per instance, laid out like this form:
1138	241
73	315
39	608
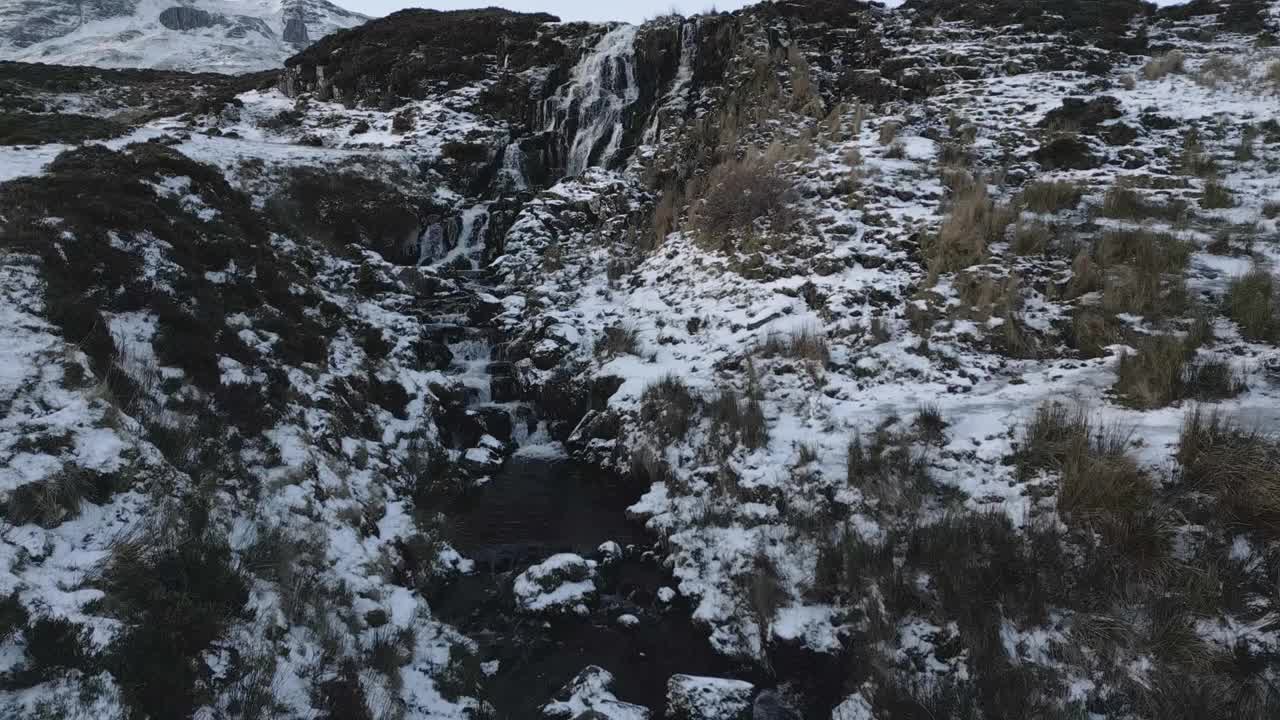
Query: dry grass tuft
889	131
739	195
1216	196
1098	476
735	420
668	407
1050	196
805	343
1239	467
1124	203
975	221
1251	303
1162	65
1165	370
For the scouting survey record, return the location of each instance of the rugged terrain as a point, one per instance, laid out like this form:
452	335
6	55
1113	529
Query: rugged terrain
815	360
227	36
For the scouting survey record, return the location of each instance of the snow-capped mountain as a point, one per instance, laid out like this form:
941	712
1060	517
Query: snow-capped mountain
228	36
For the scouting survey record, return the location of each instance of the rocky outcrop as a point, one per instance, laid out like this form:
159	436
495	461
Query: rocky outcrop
187	18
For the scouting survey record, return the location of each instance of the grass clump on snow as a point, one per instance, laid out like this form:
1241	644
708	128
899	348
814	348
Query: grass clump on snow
669	408
1050	196
738	421
1165	370
1164	64
1216	196
1240	468
805	343
738	196
975	221
1251	303
1122	202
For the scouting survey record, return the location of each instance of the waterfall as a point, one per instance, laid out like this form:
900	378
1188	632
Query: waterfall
468	244
512	172
602	86
684	75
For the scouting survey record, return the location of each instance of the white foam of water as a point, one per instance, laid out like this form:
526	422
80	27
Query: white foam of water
603	84
470	245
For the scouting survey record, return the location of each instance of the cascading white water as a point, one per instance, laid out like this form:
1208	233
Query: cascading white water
603	84
471	362
470	243
684	75
511	175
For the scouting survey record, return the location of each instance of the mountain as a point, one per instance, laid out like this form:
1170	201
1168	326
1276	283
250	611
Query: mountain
814	360
228	36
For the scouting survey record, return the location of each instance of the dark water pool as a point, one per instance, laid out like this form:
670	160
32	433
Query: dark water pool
539	506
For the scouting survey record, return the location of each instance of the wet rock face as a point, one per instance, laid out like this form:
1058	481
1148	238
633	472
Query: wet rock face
186	18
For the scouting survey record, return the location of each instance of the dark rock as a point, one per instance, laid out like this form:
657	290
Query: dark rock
770	706
1067	153
1119	134
496	422
432	354
504	388
186	18
295	30
1079	114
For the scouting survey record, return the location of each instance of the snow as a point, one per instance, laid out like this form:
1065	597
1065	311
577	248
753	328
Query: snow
559	584
591	692
138	39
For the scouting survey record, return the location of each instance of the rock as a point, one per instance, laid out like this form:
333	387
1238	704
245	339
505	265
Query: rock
186	18
496	422
691	697
432	354
484	459
855	707
1067	153
1079	114
557	585
589	695
548	353
610	551
770	706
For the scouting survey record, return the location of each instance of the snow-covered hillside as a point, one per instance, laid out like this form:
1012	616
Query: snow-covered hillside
816	360
226	36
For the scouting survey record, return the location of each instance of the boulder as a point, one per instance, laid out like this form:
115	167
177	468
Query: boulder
589	696
691	697
562	584
769	705
1067	153
855	707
